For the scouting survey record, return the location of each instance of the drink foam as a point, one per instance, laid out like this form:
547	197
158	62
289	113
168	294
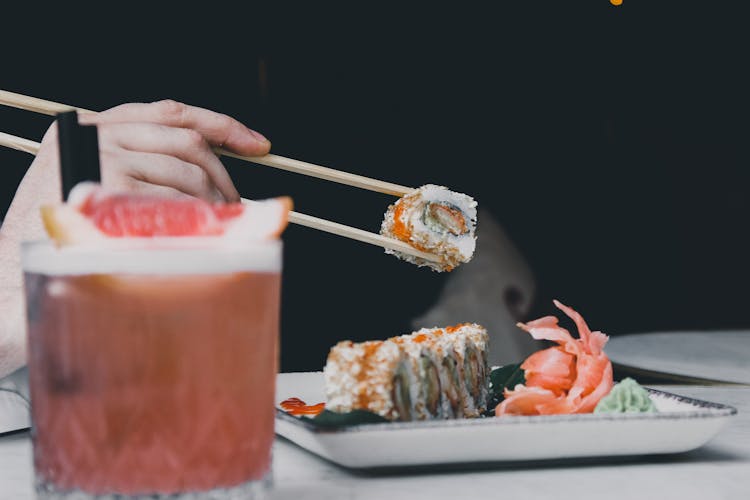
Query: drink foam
156	256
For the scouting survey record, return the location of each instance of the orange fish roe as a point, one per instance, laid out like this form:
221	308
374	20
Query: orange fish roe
368	363
400	230
455	328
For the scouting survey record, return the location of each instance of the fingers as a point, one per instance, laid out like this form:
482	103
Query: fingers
131	185
129	170
156	190
184	144
218	129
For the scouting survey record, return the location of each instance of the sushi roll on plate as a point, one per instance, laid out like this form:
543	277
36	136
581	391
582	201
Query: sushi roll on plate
437	220
433	373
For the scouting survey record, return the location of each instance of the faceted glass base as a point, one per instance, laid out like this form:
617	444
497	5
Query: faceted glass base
252	490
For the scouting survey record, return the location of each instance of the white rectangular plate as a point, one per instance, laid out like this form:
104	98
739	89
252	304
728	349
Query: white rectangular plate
682	424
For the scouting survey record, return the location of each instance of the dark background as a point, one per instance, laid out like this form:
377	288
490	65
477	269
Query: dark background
609	141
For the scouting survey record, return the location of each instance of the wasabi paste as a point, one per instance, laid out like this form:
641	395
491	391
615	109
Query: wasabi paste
626	397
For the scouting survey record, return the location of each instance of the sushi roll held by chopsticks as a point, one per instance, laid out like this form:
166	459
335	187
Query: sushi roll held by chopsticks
437	220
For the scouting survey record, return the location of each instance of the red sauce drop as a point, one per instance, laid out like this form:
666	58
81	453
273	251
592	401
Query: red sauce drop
297	407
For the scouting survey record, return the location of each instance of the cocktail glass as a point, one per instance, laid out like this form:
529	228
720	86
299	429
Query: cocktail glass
152	370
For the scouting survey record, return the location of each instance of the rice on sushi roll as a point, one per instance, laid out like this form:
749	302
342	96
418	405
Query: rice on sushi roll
373	376
433	219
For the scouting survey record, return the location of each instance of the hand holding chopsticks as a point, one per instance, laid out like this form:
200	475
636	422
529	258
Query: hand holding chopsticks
51	108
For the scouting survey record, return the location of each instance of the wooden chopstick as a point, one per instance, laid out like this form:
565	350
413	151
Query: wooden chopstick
52	108
34	104
28	146
18	143
329	174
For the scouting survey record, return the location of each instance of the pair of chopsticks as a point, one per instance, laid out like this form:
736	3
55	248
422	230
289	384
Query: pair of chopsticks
36	105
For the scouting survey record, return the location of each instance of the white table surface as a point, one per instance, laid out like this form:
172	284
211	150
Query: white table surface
718	470
714	355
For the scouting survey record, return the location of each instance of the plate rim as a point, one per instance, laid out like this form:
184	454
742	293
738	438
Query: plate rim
705	409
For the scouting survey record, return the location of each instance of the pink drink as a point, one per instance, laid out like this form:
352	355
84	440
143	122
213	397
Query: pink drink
152	372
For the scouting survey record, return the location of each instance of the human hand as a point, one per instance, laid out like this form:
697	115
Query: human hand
161	148
165	148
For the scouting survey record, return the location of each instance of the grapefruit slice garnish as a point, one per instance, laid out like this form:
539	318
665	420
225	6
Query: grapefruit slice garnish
93	214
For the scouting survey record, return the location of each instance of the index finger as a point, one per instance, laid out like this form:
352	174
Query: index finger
218	129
